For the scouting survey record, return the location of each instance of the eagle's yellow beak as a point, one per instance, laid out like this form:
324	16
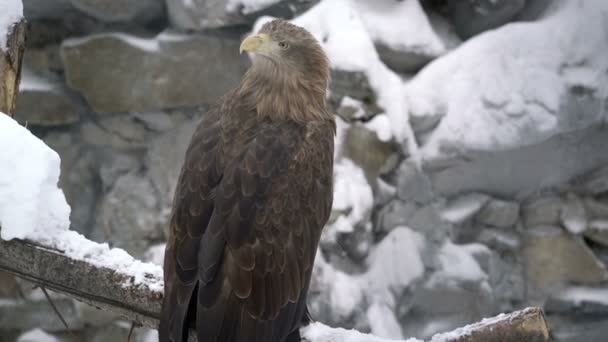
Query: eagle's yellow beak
255	43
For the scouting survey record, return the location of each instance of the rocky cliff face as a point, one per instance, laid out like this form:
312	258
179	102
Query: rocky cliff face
471	161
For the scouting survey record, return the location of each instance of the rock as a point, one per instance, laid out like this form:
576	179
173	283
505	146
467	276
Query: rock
114	165
473	17
122	10
396	213
151	74
351	110
542	211
157	121
499	213
413	184
363	147
60	106
597	232
427	221
462	207
579	301
206	14
121	132
30	314
554	257
35	9
499	239
597	209
578	328
164	160
353	84
595	183
399	48
79	177
573	215
506	278
128	216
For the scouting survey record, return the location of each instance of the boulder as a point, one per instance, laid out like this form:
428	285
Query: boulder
544	210
122	10
209	14
122	132
60	106
597	231
579	301
499	213
128	216
473	17
553	257
414	184
123	73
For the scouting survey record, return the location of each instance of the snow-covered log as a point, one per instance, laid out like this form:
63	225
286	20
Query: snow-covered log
12	46
112	290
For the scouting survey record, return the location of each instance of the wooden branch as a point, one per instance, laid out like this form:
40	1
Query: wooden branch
101	287
10	67
109	290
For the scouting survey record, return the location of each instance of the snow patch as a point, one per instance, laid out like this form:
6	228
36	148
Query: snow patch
36	335
458	263
579	295
320	332
383	322
145	44
248	6
11	12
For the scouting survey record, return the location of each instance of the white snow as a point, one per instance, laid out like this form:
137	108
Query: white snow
457	263
353	197
36	335
573	214
461	208
382	321
322	333
30	201
32	207
11	11
32	82
504	88
578	295
400	25
248	6
145	44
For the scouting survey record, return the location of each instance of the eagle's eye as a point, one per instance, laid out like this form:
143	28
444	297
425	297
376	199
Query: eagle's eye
283	45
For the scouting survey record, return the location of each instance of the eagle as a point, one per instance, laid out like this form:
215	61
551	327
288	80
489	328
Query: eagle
253	195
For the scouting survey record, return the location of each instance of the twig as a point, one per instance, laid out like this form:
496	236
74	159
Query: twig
65	324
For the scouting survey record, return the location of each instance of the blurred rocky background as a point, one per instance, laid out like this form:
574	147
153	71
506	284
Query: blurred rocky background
471	165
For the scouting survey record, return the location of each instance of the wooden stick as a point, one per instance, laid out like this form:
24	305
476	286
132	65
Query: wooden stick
10	67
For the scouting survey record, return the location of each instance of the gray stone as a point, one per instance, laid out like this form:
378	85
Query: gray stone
524	170
114	165
413	184
597	209
506	278
499	213
554	257
578	328
542	211
353	84
352	110
573	214
35	9
119	132
29	314
427	221
595	183
121	10
461	208
121	73
60	106
128	216
578	301
79	177
499	239
475	16
403	61
164	161
396	213
597	231
205	14
365	149
157	121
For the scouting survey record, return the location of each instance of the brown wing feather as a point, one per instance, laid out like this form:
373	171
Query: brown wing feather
254	233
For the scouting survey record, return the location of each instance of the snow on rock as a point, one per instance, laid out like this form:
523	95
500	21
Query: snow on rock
248	6
458	264
579	295
353	199
30	201
401	25
383	322
507	87
11	11
33	207
463	207
322	333
36	335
